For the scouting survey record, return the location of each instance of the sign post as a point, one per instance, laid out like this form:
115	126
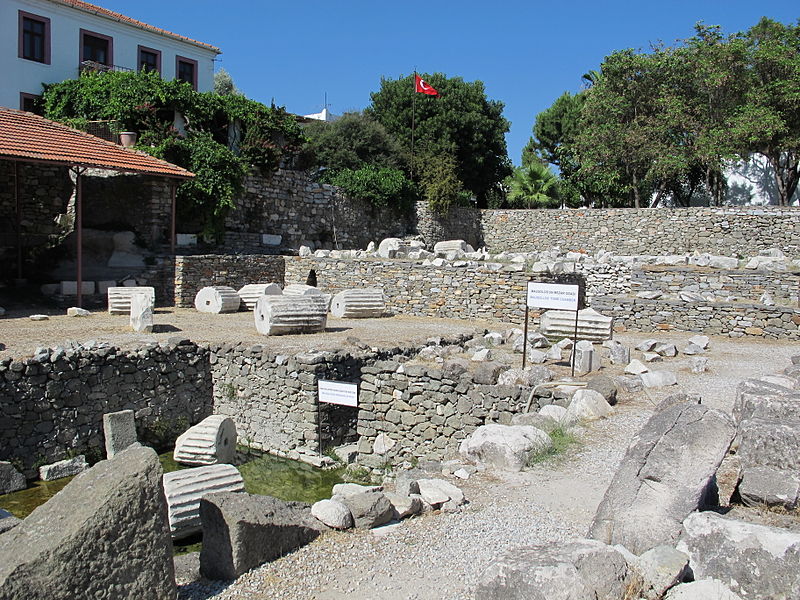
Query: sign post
558	296
334	392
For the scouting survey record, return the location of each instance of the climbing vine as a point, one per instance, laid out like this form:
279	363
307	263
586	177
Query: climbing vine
222	139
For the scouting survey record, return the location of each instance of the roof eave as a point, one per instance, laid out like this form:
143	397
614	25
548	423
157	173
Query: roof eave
143	27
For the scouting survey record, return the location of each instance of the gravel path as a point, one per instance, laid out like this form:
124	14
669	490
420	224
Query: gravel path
442	556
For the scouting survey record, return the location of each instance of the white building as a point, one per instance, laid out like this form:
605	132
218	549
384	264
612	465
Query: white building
47	41
324	115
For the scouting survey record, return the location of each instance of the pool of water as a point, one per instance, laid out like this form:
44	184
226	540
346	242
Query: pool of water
264	475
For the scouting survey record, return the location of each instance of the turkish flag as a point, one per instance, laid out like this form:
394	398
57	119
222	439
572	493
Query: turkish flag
422	87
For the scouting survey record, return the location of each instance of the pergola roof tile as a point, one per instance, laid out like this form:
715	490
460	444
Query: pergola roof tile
29	137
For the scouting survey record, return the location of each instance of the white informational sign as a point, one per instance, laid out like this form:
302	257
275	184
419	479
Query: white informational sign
337	392
552	295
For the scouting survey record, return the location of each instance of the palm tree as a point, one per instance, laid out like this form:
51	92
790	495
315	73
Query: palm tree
533	185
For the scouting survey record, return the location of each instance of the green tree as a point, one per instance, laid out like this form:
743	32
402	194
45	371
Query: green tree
461	122
223	83
351	142
440	183
533	185
768	121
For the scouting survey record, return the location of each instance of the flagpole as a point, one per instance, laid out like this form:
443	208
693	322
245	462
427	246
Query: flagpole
413	119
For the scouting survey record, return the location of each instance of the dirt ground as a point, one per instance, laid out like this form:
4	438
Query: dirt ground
21	336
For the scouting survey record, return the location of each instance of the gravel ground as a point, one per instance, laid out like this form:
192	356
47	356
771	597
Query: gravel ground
442	556
438	556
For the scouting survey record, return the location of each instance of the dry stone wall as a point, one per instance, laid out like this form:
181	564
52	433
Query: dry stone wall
44	195
290	205
743	284
726	231
458	290
424	413
733	319
192	273
54	401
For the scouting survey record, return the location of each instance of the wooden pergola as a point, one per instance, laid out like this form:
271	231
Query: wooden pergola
29	138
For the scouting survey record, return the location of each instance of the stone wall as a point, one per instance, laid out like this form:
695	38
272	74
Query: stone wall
497	292
743	284
195	272
424	412
723	231
290	205
127	202
734	319
54	402
44	193
460	223
273	397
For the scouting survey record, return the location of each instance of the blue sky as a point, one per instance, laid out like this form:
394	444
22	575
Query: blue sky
526	53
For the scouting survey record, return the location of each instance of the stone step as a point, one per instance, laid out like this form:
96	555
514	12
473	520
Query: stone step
184	489
561	323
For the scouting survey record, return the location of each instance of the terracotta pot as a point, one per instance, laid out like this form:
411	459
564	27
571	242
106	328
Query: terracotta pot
127	138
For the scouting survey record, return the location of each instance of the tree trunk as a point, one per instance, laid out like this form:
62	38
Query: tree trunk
786	166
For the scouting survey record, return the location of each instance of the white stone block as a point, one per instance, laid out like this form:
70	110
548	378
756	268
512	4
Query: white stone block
251	292
70	288
217	299
184	490
119	429
211	441
185	239
278	315
119	298
359	304
269	239
142	313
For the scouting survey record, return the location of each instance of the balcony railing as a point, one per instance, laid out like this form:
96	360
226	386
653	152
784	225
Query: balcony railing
90	65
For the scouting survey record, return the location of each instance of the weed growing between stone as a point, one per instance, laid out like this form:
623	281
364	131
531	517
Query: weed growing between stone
562	440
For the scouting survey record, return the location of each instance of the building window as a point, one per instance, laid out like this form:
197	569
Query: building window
149	59
186	70
34	37
30	103
97	48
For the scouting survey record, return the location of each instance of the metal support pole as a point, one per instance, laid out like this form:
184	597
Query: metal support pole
79	236
525	336
19	220
574	343
172	189
319	426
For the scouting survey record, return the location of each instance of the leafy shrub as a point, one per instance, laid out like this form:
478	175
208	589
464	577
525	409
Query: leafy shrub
380	186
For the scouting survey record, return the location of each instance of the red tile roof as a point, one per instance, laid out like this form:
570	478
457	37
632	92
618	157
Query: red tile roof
103	12
29	137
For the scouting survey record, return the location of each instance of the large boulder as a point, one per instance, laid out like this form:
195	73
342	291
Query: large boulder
755	561
579	570
332	513
586	405
11	480
765	400
369	509
242	531
506	447
664	476
104	536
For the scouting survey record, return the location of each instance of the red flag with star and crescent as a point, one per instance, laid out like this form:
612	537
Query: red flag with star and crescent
423	87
